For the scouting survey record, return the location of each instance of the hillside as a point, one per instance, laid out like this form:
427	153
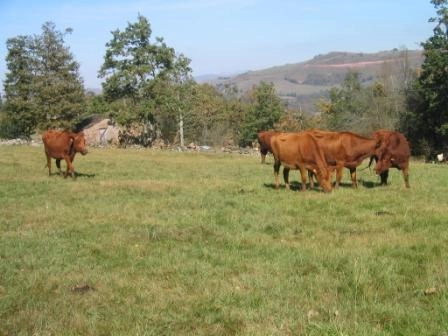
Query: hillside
300	84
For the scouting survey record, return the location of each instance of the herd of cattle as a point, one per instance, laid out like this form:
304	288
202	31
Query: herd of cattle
314	152
319	153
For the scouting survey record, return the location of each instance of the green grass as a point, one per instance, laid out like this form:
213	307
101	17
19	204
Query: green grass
169	243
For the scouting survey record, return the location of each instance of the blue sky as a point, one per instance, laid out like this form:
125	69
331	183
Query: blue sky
225	36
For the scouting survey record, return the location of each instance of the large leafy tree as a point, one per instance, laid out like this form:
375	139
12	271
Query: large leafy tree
364	108
43	87
207	123
344	109
20	105
139	72
427	122
264	109
57	81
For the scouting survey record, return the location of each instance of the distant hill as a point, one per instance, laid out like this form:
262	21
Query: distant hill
302	83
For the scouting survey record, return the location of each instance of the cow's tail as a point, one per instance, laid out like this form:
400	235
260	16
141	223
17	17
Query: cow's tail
370	163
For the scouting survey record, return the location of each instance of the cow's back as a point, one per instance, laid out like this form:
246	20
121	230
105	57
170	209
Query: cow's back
57	143
285	148
292	149
347	147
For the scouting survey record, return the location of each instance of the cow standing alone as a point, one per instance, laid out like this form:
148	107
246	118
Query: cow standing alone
63	145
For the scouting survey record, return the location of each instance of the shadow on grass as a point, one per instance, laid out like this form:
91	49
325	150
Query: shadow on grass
370	184
81	175
84	175
294	186
297	186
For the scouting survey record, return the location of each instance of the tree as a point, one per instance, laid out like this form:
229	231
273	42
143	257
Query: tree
208	122
58	84
43	87
264	109
344	110
426	124
365	108
20	105
139	73
96	104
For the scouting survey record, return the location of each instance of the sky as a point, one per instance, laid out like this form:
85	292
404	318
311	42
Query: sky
224	37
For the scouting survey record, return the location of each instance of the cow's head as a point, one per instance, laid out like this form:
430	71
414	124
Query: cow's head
384	158
79	143
324	177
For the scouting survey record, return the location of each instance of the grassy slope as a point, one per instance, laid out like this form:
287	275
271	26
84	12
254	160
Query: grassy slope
200	244
288	78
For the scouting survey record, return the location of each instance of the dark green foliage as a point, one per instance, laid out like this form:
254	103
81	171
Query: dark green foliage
59	87
365	108
346	104
43	87
20	106
143	77
426	124
264	109
96	104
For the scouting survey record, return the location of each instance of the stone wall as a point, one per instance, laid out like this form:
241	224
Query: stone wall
102	133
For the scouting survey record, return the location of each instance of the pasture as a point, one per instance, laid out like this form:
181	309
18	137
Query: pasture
146	242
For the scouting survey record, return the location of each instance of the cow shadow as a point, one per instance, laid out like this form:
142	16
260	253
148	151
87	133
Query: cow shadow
294	186
363	183
297	186
84	175
343	184
369	184
81	175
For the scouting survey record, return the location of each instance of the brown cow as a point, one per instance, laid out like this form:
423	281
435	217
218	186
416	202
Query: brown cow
63	145
344	149
299	151
264	140
394	151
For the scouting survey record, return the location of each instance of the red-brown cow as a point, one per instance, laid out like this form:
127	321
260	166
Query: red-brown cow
299	151
344	149
63	145
264	140
394	152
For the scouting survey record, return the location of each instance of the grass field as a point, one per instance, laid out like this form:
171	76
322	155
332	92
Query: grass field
164	243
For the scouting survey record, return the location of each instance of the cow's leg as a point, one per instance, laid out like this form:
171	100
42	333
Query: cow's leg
406	177
339	174
384	175
58	165
263	156
48	163
303	175
276	173
286	178
70	168
353	177
311	178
